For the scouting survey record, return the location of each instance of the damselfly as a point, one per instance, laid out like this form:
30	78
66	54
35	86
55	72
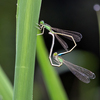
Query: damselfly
71	35
81	73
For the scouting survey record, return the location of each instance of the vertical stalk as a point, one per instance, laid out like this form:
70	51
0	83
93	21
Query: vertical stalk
53	83
26	33
97	9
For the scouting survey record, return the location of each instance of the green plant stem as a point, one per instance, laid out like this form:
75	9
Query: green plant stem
53	83
6	90
98	18
26	33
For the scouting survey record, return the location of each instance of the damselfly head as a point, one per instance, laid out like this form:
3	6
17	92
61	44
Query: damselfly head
55	56
57	59
41	22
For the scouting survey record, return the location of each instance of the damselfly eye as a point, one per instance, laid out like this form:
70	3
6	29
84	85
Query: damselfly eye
41	22
54	54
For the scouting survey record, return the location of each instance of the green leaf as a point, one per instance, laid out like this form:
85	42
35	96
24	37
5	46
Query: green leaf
6	90
53	83
26	34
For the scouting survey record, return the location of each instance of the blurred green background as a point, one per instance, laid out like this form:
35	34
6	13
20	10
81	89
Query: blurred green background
73	15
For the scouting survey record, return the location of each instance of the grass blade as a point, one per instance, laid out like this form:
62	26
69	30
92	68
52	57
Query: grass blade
53	83
6	90
27	17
